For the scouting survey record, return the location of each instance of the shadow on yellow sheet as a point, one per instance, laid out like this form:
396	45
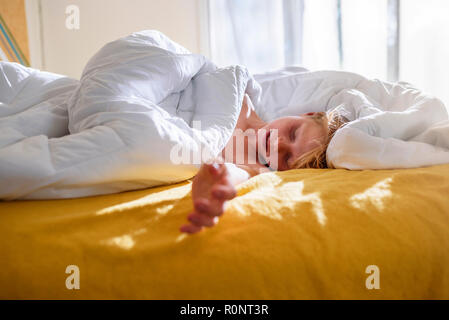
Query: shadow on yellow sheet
302	234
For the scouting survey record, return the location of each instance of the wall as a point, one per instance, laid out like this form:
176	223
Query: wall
13	32
66	51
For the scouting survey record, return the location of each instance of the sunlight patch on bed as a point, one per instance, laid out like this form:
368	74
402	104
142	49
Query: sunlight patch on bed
375	196
164	209
287	195
151	199
180	238
125	242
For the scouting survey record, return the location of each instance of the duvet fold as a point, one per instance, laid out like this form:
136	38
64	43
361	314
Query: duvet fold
144	106
391	125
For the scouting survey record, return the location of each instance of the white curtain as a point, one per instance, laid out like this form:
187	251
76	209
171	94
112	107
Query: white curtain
320	35
316	34
391	40
364	31
248	32
424	50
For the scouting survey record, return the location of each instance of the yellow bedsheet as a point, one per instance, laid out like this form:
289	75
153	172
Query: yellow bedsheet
293	235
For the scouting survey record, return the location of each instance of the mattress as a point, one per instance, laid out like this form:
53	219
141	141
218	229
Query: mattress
299	234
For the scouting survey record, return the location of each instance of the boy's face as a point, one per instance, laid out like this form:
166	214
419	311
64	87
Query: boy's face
295	137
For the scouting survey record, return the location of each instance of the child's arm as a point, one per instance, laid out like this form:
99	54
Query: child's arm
213	185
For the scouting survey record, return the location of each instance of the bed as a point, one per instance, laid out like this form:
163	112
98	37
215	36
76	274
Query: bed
300	234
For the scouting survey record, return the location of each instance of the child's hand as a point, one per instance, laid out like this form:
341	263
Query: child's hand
211	187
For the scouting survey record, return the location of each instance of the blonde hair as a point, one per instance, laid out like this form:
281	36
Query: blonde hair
316	158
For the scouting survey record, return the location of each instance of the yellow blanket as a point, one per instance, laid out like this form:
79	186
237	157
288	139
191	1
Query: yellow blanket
302	234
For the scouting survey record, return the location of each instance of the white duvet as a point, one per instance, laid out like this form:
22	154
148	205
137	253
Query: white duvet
392	125
141	99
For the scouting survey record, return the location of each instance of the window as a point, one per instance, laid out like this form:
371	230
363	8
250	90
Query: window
248	32
317	34
424	54
385	39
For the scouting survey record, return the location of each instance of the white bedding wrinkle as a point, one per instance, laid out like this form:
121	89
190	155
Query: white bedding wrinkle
397	127
135	102
140	97
392	125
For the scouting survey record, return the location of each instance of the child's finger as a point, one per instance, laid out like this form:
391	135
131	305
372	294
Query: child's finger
216	169
199	219
190	228
202	205
216	208
224	192
210	208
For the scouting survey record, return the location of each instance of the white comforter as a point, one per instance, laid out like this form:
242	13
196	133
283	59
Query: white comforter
140	100
131	120
393	125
